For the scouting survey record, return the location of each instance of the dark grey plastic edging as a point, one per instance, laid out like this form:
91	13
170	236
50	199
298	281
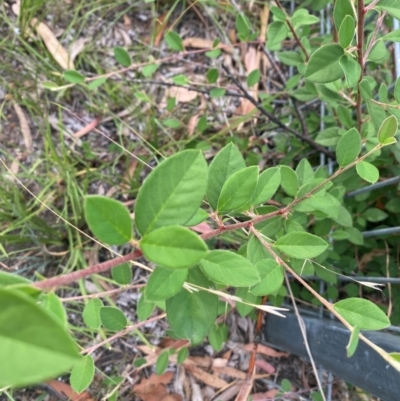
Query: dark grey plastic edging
328	339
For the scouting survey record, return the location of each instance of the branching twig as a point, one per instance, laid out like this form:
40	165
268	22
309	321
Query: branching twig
373	37
276	120
360	45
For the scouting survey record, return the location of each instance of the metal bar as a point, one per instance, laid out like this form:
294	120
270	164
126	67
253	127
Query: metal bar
381	231
381	184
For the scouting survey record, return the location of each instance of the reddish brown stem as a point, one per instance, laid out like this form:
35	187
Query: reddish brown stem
59	281
360	45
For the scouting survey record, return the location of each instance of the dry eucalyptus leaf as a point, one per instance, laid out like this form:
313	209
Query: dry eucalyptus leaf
24	125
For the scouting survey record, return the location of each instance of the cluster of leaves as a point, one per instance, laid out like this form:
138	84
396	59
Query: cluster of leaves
314	220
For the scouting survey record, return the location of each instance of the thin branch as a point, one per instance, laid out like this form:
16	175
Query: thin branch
373	37
65	279
275	119
291	27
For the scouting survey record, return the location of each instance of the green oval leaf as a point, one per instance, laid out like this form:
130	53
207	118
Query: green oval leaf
45	349
301	245
367	172
191	314
162	362
11	279
91	313
228	160
173	246
348	147
346	31
54	305
122	56
253	77
122	274
164	283
172	193
174	41
82	374
353	342
267	184
323	66
352	71
108	219
362	313
73	76
388	129
289	180
229	268
238	190
218	335
112	318
271	274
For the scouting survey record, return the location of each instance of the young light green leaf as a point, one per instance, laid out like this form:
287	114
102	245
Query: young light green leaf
92	85
375	215
164	283
217	92
323	66
244	294
228	268
267	184
347	31
191	314
11	279
253	77
82	374
91	313
367	171
328	137
162	362
183	354
340	12
174	41
122	56
301	245
52	303
392	7
26	327
271	274
388	129
348	147
302	17
242	26
108	219
304	172
173	246
351	69
276	33
217	335
238	190
213	53
353	342
122	274
144	308
256	251
172	193
150	69
73	76
112	318
228	160
362	313
289	180
365	89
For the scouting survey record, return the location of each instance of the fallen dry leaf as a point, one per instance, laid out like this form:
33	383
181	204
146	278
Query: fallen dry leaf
77	47
182	95
263	349
153	388
264	365
53	45
269	395
172	397
66	390
207	378
24	125
200	43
